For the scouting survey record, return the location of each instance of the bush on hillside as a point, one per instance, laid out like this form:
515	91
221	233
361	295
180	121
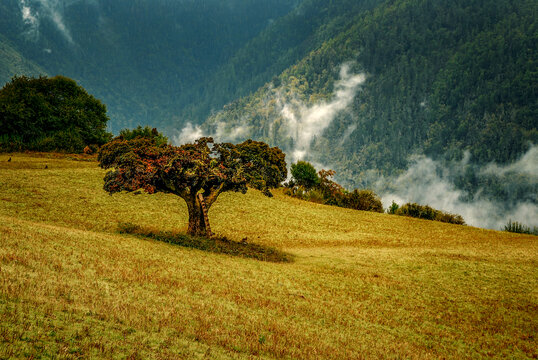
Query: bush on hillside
329	192
365	200
332	191
520	228
393	208
45	114
145	132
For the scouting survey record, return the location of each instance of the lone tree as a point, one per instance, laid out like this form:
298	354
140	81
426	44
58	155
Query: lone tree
203	168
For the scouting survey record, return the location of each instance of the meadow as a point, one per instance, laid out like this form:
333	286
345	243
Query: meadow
361	284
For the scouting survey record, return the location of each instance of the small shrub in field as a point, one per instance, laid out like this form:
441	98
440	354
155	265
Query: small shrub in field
315	196
520	228
428	213
365	200
449	218
331	190
417	211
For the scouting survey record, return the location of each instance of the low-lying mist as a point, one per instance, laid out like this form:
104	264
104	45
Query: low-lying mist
503	192
304	122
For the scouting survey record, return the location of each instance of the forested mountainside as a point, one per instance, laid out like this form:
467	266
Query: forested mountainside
13	62
445	79
282	44
145	59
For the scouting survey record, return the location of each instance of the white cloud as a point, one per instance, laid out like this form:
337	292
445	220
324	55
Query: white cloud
527	165
33	11
31	20
302	122
188	134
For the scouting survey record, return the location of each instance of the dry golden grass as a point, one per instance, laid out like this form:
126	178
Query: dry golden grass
363	285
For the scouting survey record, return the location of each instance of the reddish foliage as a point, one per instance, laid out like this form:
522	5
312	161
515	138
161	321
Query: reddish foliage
202	167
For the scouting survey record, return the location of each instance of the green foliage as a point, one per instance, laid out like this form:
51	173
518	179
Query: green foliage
145	132
519	228
219	245
265	165
50	114
304	174
428	213
365	200
393	208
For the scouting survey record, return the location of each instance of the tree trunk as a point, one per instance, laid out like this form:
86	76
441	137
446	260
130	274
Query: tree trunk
197	222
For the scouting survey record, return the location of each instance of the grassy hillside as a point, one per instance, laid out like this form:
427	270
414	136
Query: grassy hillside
363	285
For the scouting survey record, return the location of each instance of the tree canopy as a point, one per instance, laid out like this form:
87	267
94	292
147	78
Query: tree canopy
50	114
304	174
188	171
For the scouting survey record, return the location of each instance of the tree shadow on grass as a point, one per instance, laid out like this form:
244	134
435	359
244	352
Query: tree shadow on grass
216	244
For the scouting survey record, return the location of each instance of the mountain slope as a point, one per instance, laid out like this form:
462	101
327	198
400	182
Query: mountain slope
442	78
143	58
13	62
279	46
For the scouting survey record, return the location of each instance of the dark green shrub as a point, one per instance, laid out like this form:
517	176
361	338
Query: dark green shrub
393	208
47	114
365	200
428	213
10	143
67	141
417	211
304	174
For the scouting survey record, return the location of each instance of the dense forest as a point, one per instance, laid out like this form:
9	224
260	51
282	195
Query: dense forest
443	79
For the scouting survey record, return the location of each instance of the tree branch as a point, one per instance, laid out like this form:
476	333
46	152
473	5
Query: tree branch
212	197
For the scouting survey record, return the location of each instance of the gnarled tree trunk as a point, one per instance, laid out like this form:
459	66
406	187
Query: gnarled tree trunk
198	223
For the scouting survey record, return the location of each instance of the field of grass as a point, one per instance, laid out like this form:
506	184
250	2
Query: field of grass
362	285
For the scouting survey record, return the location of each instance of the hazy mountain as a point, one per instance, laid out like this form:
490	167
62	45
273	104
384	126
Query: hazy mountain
143	58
